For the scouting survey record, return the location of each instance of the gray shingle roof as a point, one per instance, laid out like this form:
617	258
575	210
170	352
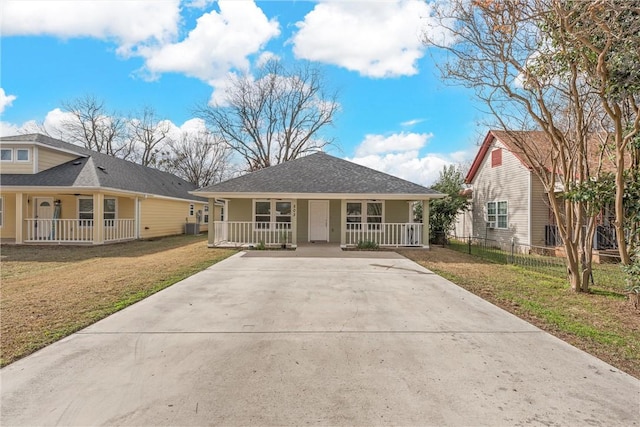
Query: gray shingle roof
318	173
92	169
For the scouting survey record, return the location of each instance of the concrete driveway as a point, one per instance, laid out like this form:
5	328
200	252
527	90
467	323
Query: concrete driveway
315	340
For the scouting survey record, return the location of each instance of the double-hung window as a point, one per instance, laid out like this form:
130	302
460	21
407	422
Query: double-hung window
272	211
369	213
109	212
205	214
85	211
497	215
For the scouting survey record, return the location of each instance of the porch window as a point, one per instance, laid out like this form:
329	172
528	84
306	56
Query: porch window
205	215
85	211
354	215
497	215
110	212
374	215
369	213
268	211
191	209
6	154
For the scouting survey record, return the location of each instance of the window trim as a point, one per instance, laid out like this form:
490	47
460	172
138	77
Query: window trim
28	151
272	213
497	214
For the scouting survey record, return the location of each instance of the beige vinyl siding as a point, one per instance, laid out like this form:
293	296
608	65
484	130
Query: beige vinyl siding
162	217
396	211
539	211
48	159
15	166
8	228
303	220
508	182
240	210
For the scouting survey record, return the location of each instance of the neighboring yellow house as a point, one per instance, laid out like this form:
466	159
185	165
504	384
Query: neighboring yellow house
319	198
55	192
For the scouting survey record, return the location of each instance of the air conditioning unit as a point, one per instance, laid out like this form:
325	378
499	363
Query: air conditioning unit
491	225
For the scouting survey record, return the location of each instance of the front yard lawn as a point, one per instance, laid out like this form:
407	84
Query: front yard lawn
602	322
49	292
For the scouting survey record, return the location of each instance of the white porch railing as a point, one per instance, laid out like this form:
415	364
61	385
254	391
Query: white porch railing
77	230
242	233
119	229
386	234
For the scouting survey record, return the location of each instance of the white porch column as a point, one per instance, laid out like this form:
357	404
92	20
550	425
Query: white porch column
294	223
136	217
425	224
19	218
343	223
98	218
211	229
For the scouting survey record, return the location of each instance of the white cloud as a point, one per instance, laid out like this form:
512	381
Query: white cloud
407	165
399	142
5	100
129	23
399	155
221	41
376	39
411	122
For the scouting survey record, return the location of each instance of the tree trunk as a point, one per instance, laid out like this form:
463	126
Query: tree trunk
619	223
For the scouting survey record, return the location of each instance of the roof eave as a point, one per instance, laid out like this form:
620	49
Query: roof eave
322	196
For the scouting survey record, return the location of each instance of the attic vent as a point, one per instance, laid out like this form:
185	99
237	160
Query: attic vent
77	163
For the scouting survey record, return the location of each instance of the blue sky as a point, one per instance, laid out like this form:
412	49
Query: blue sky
395	116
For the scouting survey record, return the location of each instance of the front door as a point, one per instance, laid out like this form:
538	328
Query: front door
318	220
44	217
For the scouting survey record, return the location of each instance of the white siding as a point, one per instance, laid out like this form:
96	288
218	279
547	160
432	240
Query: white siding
508	182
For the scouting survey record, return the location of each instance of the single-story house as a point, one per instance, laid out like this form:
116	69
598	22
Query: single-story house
55	192
318	198
509	202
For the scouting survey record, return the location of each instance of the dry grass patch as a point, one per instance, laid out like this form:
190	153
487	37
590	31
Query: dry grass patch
49	292
602	322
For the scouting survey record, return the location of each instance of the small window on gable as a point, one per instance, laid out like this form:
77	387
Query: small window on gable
6	154
496	157
22	155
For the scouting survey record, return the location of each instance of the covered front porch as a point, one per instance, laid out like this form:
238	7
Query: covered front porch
38	217
285	223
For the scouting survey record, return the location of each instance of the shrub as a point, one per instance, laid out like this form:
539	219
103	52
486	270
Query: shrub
366	244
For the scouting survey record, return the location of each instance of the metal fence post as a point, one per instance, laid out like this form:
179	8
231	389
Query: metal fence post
469	244
513	247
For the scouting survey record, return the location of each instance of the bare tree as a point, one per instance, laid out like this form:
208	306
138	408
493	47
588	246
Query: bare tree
95	128
148	135
502	51
200	158
275	117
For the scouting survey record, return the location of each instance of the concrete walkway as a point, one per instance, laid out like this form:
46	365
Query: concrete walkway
315	340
